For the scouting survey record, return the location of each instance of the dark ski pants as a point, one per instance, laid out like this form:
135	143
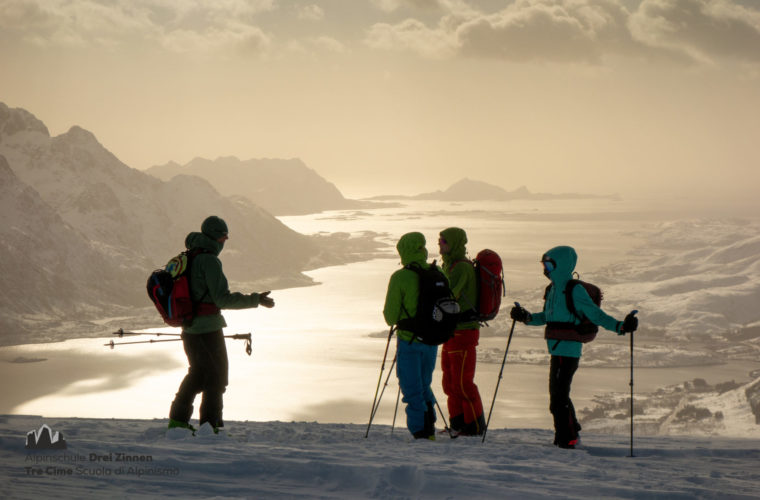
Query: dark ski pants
566	426
207	374
458	359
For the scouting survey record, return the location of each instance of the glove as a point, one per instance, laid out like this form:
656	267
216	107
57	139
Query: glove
519	313
630	323
265	300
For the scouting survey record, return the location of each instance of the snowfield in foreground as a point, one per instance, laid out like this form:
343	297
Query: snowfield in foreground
138	459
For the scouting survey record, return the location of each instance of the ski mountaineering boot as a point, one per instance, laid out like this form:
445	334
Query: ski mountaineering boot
173	424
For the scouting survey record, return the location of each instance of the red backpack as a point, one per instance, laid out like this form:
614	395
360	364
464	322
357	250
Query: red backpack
169	290
489	274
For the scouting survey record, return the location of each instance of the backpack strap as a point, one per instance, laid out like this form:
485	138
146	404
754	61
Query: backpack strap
200	308
569	298
470	314
417	269
406	323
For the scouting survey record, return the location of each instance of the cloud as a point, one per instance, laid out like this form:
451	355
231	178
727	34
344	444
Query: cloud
581	31
435	43
704	30
393	5
548	30
240	37
71	23
329	44
311	12
177	25
557	30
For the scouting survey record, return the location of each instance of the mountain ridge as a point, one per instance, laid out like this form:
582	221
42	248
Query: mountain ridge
467	189
280	186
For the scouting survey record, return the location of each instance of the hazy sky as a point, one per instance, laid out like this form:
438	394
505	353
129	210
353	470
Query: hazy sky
405	96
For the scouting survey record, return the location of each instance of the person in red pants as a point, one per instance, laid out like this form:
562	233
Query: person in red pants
458	356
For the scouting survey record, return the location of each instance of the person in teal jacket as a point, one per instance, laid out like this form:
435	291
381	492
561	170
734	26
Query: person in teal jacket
415	361
565	349
458	355
203	339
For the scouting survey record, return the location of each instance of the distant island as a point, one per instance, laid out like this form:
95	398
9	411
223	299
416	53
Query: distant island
473	190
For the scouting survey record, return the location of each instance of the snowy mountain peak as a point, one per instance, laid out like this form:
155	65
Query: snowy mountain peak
81	136
14	120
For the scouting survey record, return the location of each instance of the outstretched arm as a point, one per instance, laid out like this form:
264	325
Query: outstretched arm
586	307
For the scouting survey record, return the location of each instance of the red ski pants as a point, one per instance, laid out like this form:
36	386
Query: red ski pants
458	364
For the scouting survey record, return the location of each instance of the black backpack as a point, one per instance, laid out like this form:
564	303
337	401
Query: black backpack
585	331
437	309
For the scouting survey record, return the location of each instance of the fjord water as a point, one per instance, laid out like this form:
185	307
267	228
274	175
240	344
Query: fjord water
317	354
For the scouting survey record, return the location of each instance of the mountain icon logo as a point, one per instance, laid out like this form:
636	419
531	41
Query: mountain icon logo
45	439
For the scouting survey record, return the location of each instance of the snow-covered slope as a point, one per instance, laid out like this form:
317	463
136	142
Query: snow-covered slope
137	459
693	277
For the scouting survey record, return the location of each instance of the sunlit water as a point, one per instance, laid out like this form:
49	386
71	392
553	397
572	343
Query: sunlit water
313	356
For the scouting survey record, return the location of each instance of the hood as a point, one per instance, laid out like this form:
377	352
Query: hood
214	227
200	240
457	240
564	259
411	248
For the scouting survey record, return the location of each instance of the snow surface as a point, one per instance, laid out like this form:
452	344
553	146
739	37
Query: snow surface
312	460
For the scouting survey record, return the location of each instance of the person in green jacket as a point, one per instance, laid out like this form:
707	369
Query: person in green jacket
564	344
458	356
415	361
203	339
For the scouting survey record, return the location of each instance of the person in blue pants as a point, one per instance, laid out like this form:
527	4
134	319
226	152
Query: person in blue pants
415	361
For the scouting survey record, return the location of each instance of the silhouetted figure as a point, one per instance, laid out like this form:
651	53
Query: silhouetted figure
203	338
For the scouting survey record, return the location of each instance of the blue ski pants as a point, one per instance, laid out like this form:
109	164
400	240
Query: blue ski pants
415	363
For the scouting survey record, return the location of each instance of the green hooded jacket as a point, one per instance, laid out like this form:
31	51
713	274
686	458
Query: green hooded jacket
208	284
461	274
555	307
403	287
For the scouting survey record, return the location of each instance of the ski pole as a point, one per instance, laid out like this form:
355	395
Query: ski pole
501	372
112	344
395	410
379	379
120	333
445	424
380	397
631	384
243	336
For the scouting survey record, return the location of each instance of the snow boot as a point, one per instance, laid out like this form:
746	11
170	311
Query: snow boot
430	419
457	423
183	425
424	434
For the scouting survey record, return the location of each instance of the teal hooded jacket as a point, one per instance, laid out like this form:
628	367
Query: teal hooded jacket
555	307
460	273
403	287
209	284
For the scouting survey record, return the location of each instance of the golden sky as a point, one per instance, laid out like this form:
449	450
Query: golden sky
406	96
